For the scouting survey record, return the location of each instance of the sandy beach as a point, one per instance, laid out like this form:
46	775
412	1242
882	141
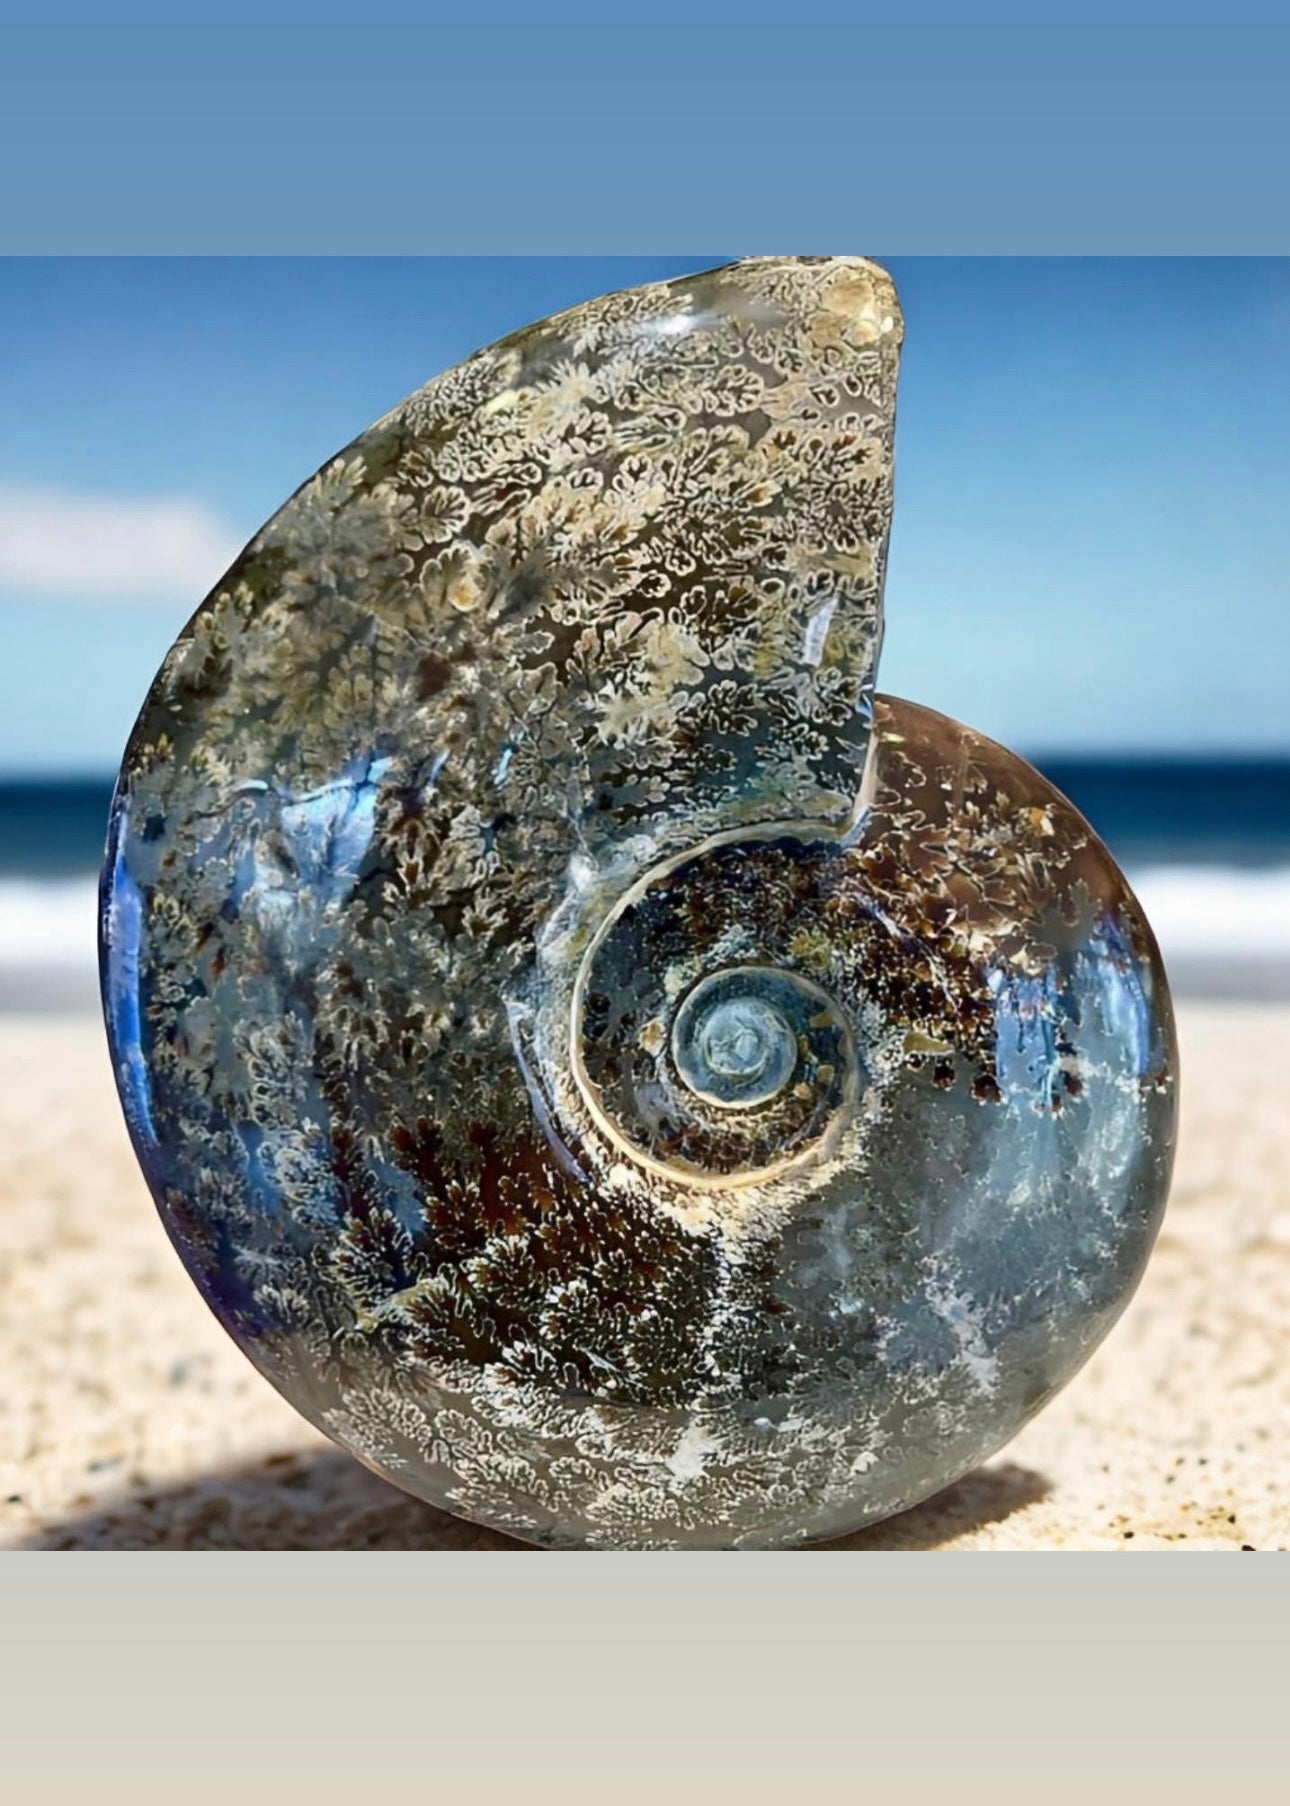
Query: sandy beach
129	1421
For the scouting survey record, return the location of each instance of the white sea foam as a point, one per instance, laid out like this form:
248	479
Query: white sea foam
1198	912
48	922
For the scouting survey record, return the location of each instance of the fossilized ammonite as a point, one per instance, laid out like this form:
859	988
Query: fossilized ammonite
618	1076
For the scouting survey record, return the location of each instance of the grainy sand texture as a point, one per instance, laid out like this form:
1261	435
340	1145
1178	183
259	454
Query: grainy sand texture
129	1421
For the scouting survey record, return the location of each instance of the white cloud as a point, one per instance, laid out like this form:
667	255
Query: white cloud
96	547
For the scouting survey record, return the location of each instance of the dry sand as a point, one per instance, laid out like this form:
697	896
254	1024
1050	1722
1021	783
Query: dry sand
129	1421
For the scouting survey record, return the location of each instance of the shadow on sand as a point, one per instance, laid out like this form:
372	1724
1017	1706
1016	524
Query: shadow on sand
325	1500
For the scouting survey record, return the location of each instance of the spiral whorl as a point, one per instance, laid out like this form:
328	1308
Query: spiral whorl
704	1047
733	1043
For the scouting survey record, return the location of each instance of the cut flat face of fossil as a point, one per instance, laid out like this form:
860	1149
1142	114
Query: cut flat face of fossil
622	1079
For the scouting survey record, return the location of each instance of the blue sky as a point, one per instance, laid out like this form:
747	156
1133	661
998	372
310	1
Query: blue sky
1092	543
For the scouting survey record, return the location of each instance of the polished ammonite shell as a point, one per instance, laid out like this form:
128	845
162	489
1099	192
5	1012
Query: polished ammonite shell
612	1072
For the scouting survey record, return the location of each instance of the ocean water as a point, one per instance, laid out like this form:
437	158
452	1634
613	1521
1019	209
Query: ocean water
1206	845
52	827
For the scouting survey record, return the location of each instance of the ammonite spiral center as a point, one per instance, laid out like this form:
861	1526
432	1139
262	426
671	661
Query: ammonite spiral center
701	1062
731	1046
